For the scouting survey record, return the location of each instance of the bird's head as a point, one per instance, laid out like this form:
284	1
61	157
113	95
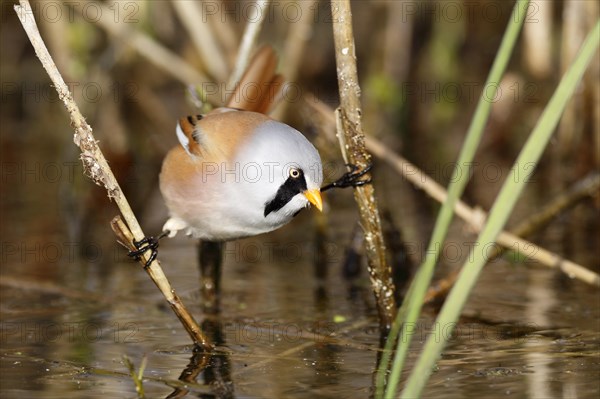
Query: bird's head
284	171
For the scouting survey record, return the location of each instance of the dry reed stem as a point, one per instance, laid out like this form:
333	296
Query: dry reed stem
474	216
204	40
96	168
352	143
574	30
225	34
397	41
586	187
537	40
250	35
293	53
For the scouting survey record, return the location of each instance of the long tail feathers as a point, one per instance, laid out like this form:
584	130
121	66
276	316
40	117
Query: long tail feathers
260	87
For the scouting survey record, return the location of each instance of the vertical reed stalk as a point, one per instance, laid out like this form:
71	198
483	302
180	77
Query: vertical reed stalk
352	143
250	35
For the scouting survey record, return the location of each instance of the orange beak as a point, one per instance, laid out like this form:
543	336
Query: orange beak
314	197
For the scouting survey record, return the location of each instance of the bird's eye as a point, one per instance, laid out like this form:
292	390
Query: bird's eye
294	173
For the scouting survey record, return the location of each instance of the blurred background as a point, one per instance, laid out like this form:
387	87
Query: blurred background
135	67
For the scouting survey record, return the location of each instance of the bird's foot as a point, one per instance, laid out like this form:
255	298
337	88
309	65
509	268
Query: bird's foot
147	244
351	178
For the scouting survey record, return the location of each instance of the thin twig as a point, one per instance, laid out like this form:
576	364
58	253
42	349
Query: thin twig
250	34
475	217
587	186
352	143
96	167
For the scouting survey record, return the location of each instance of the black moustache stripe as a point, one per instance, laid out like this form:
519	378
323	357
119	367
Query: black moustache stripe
287	191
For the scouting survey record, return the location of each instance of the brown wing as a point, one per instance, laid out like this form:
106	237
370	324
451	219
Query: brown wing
259	89
189	136
216	136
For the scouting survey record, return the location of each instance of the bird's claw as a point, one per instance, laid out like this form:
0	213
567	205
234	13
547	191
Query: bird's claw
146	244
351	178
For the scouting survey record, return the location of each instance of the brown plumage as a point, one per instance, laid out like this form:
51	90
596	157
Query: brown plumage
205	181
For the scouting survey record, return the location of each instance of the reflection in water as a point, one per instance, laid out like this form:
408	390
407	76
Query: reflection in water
65	326
353	255
210	261
218	371
213	368
542	300
323	360
198	362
